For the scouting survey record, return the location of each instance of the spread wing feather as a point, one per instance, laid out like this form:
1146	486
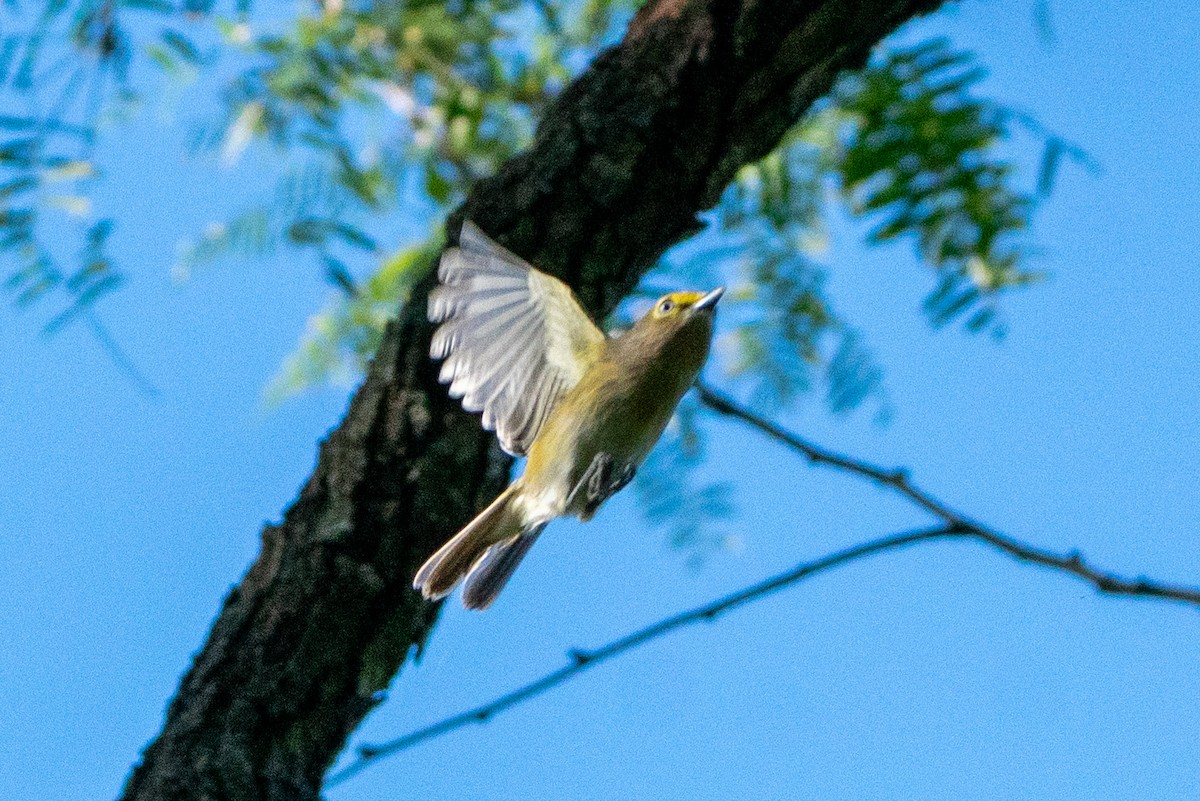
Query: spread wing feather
514	339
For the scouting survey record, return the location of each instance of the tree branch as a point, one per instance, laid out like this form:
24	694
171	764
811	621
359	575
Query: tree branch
898	481
579	660
955	526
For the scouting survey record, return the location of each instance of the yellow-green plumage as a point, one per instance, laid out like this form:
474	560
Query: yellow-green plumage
586	409
624	400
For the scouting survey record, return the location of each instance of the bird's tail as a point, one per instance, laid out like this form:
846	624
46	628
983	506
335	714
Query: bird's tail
485	553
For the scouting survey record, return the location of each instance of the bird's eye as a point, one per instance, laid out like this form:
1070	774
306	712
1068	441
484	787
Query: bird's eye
665	307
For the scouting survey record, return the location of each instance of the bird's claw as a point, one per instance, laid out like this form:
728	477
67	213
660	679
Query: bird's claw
601	481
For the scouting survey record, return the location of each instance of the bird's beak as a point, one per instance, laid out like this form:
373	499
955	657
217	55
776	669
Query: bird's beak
709	300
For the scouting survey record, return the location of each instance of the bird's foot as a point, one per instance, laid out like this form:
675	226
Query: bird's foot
601	481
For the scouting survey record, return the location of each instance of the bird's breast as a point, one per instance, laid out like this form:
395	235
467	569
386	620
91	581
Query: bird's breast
617	408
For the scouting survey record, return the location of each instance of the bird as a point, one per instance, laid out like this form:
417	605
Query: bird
585	408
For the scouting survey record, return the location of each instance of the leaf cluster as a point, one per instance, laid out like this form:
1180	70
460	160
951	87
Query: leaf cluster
919	158
56	63
906	147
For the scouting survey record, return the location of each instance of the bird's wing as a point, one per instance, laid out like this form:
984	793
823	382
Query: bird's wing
514	339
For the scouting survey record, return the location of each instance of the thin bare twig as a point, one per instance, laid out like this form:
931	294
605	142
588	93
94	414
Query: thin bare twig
954	526
899	482
581	660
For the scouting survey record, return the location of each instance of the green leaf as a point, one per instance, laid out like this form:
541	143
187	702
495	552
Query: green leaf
17	218
308	232
17	186
1051	158
83	302
15	123
181	45
437	187
352	236
35	290
20	153
339	276
158	6
9	45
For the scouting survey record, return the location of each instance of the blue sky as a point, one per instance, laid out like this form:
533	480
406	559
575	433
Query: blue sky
944	672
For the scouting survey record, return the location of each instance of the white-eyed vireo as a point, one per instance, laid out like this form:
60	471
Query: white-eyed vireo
585	408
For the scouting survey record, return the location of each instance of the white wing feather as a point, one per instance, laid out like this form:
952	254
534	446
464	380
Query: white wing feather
514	339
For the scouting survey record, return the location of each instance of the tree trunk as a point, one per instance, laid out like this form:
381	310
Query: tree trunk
325	617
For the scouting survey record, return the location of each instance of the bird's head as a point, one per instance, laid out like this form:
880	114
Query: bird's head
679	320
676	307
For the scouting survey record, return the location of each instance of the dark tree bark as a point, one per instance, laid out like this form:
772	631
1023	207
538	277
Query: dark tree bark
325	616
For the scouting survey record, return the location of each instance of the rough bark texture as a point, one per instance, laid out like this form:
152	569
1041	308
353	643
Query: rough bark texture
325	617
